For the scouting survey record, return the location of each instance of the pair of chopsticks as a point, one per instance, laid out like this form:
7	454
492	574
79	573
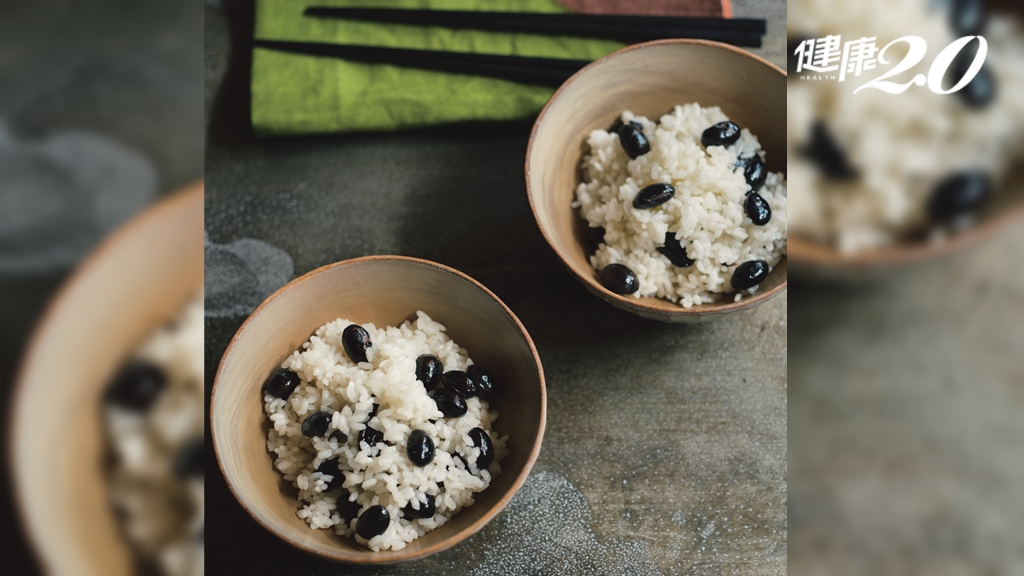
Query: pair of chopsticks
542	71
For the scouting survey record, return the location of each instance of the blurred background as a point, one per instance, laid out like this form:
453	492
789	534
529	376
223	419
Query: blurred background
100	116
906	379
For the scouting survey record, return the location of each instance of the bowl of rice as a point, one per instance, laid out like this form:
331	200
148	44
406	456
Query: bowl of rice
884	181
657	175
378	410
92	460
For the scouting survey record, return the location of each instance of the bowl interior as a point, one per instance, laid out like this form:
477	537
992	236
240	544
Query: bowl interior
384	291
648	79
137	280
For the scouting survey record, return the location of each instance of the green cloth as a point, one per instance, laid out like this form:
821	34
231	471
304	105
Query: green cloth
297	94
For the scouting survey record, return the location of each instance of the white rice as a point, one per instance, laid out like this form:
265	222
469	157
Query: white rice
378	475
902	145
706	214
143	486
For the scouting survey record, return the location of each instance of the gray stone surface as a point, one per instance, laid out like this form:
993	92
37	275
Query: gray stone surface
665	451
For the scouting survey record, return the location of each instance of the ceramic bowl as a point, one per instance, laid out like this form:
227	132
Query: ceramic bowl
648	79
384	290
138	279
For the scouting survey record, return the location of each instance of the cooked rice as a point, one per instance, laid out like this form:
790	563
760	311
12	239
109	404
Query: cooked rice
378	475
706	213
162	514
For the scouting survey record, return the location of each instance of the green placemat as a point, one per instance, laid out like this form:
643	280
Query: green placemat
297	94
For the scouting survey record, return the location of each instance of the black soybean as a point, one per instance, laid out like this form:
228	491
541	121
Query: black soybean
754	171
981	91
371	436
482	441
826	154
459	382
282	383
188	462
356	341
757	209
346	509
339	437
137	386
487	387
331	468
420	448
428	371
749	274
721	134
449	403
675	251
426	510
373	522
316	424
633	141
967	17
653	195
619	279
959	194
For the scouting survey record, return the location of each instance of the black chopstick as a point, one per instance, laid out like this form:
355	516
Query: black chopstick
738	31
542	71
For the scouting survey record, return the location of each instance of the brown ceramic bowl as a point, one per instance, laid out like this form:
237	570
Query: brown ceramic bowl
137	280
648	79
385	290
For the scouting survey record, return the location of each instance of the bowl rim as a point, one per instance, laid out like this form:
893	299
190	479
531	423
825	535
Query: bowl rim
633	304
43	325
458	537
811	255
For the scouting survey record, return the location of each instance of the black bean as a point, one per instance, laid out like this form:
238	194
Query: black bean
137	386
374	521
653	195
347	510
282	383
420	448
967	17
371	436
981	91
426	509
428	371
339	437
459	382
757	209
482	441
749	274
633	141
619	279
356	341
754	171
316	424
330	467
959	194
487	387
826	154
448	402
721	134
188	462
595	236
675	251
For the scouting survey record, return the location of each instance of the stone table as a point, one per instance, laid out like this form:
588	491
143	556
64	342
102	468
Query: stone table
665	450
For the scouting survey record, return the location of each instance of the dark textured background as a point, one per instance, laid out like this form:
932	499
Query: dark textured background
665	451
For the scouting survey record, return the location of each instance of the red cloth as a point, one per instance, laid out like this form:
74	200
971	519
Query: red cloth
652	7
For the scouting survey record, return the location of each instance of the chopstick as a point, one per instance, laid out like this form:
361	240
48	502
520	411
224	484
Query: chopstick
542	71
738	31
